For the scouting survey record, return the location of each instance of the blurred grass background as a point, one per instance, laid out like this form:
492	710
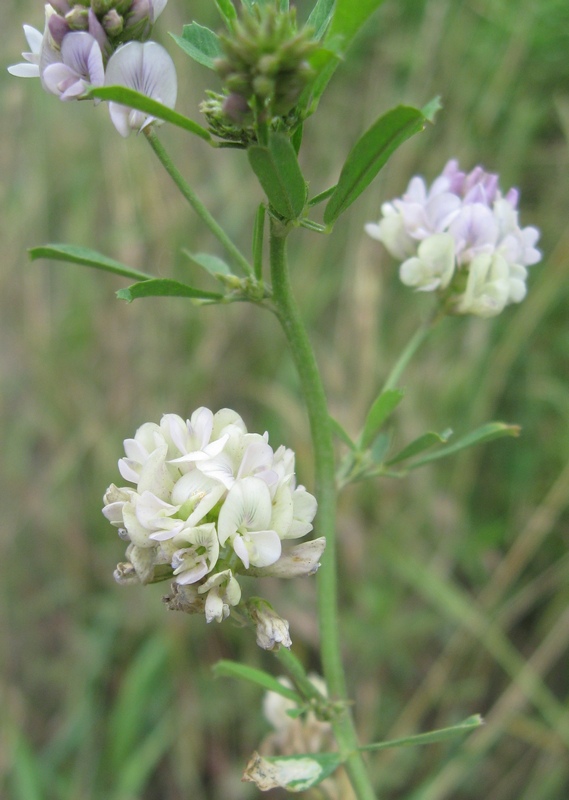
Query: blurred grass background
454	582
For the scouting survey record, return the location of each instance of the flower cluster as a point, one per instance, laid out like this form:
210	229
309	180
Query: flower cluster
460	237
87	45
211	501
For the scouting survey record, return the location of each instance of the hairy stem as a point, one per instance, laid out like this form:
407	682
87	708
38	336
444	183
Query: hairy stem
293	326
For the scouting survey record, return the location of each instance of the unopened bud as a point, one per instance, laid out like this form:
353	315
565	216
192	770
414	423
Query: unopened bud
78	18
272	630
236	107
113	23
57	27
101	6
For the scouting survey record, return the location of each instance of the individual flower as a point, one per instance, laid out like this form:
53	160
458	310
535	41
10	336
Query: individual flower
209	501
147	68
461	238
245	521
81	66
30	68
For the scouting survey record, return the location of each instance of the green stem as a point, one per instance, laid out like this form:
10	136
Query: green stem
291	321
298	674
409	351
195	202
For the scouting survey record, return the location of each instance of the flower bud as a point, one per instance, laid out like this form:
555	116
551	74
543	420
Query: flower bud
113	23
265	61
101	7
78	18
272	630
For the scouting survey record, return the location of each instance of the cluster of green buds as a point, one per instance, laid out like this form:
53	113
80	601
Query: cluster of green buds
110	22
265	67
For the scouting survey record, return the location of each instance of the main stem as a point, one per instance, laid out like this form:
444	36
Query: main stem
290	318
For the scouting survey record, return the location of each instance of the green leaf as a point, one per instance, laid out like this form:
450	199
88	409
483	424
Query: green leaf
320	16
382	407
87	258
132	99
369	155
227	11
233	669
379	447
423	442
341	433
319	198
276	166
349	17
487	432
164	287
439	735
294	773
199	43
432	108
212	264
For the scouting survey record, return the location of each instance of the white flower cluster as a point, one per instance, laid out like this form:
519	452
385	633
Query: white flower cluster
460	237
76	53
210	500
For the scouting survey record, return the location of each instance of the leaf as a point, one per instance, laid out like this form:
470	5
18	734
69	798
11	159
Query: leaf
379	448
293	773
164	287
276	166
382	407
233	669
487	432
319	198
341	433
432	108
439	735
349	17
369	155
212	264
423	442
320	16
227	11
128	97
199	43
87	258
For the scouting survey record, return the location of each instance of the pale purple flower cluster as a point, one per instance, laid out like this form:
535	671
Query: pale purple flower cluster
83	46
462	238
210	501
